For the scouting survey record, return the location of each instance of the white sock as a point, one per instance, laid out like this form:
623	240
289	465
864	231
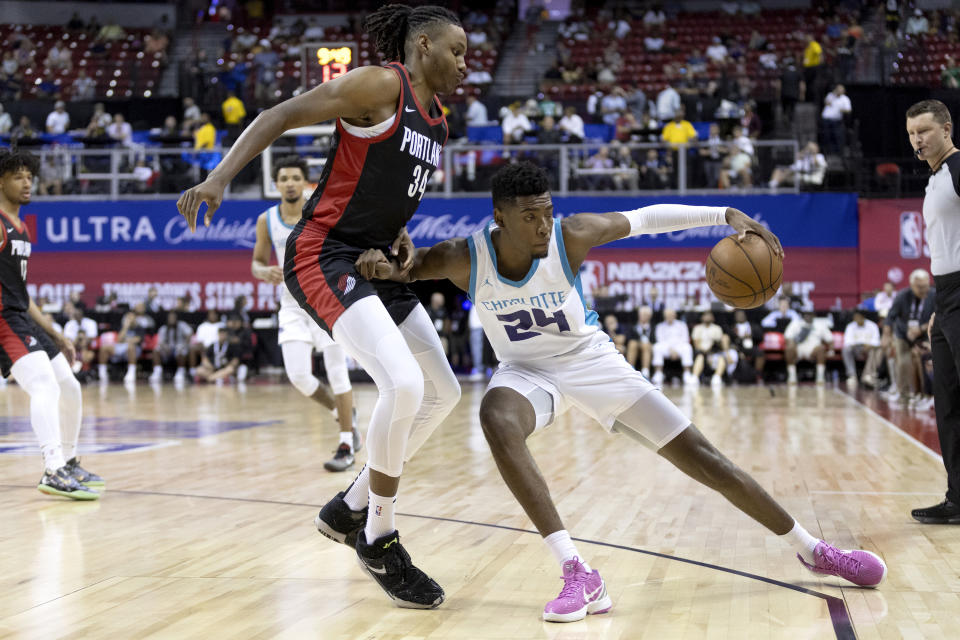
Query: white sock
346	437
132	368
821	371
380	520
157	369
179	372
802	541
102	371
563	549
792	370
356	496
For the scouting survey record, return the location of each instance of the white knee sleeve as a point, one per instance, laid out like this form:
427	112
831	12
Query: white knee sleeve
297	362
367	333
71	405
335	362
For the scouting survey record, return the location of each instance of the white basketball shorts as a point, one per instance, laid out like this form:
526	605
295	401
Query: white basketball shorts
296	325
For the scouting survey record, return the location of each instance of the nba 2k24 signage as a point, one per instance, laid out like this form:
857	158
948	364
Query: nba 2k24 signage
892	242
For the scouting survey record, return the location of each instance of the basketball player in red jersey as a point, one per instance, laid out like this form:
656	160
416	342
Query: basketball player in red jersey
390	130
31	350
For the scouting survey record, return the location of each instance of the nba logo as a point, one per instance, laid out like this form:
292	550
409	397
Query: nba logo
592	275
378	510
911	235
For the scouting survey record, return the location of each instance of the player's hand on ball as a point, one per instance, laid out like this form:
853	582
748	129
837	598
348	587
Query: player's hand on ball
209	191
373	264
403	250
273	274
742	224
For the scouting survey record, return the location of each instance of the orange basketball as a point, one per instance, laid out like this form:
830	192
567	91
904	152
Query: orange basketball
744	274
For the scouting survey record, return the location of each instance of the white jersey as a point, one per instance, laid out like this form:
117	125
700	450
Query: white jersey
541	316
279	231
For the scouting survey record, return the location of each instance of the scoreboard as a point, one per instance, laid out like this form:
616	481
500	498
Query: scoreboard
324	61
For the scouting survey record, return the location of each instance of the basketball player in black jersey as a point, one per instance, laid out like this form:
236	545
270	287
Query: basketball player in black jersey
31	350
390	129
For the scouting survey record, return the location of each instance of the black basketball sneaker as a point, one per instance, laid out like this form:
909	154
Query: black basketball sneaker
61	483
339	522
82	475
389	564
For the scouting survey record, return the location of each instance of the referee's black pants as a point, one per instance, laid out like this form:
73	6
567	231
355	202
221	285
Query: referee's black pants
945	345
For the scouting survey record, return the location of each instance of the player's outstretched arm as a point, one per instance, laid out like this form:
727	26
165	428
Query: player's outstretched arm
260	266
583	231
357	94
448	260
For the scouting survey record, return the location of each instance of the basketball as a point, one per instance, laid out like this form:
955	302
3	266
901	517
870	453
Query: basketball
744	274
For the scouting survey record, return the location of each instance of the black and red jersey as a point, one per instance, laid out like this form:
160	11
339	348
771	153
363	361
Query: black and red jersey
371	187
14	253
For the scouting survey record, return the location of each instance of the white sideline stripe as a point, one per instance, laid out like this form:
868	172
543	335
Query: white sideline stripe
897	430
876	493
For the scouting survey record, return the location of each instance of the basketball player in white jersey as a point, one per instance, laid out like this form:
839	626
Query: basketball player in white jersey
299	335
522	277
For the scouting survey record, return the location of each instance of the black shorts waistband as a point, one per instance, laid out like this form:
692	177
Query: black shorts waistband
947	282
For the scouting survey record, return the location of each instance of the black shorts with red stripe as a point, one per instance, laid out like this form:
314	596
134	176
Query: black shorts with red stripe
20	335
323	279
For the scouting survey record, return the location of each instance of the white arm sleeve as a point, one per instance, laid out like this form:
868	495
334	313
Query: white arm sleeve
660	218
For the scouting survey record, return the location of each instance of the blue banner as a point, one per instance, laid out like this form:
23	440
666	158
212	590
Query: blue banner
804	220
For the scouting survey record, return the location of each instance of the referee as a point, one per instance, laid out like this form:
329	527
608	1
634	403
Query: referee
929	127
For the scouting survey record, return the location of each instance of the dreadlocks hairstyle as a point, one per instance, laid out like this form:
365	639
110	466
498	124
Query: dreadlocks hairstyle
935	108
12	160
291	162
515	180
392	23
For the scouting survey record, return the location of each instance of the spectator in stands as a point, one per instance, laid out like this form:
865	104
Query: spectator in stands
950	74
624	126
782	316
199	70
83	86
515	124
628	177
636	102
710	346
612	105
884	299
654	16
204	136
678	131
241	338
668	103
6	122
52	173
655	172
99	121
917	24
120	130
440	318
812	63
9	66
478	76
861	341
234	115
600	166
653	42
750	121
711	153
23	130
644	332
134	326
907	322
476	112
672	342
746	338
191	114
717	51
205	336
220	360
572	125
622	336
835	106
58	120
548	132
78	323
111	31
173	345
696	62
808	169
736	167
791	87
265	63
807	340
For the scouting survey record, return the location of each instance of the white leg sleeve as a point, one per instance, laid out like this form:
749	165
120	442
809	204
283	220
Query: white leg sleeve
34	374
297	362
71	405
335	362
367	333
441	391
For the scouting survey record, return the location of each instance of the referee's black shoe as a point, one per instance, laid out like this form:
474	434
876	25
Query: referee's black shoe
944	513
389	564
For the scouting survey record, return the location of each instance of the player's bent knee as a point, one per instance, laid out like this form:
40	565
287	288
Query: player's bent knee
408	392
305	383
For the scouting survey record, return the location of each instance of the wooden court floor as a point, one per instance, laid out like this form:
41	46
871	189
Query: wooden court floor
206	528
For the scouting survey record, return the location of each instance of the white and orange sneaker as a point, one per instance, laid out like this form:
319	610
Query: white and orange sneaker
583	592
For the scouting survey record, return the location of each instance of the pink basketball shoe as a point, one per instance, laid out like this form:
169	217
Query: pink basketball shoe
862	568
582	593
